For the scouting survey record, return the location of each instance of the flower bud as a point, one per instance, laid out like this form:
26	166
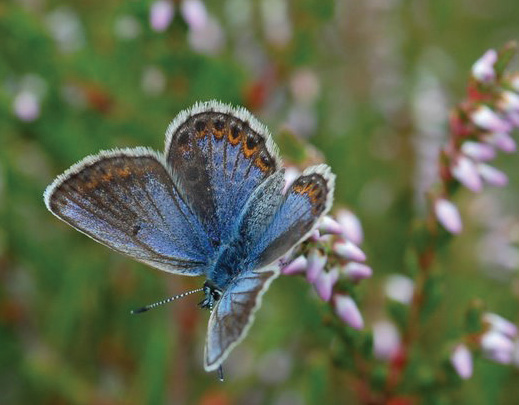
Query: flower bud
466	172
478	150
461	360
497	347
349	251
386	340
448	215
501	140
347	310
356	271
487	119
351	226
399	288
483	69
328	225
500	324
161	15
316	263
325	282
492	175
298	265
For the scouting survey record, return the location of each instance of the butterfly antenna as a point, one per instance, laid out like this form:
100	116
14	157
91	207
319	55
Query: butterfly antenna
156	304
220	373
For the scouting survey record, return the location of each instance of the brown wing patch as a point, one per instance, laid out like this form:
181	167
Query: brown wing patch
315	188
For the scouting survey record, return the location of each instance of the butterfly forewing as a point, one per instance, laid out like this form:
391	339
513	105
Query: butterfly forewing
126	200
219	156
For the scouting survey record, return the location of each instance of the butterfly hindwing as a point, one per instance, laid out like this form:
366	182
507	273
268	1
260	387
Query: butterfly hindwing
305	202
234	313
219	155
126	199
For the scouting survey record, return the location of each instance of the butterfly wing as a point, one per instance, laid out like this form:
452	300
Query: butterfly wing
219	155
126	200
271	224
306	201
234	313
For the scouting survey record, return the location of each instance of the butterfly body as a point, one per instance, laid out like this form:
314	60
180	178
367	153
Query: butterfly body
212	205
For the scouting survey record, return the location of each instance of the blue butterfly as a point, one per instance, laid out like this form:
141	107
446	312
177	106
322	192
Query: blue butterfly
212	205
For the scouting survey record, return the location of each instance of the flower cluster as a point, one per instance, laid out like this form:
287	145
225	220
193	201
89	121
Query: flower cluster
498	342
331	254
480	126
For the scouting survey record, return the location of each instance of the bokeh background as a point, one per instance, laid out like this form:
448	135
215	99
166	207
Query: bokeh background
368	83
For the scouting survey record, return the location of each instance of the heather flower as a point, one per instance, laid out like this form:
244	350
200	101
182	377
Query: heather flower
316	263
497	346
298	265
328	225
483	69
351	226
386	340
399	288
509	102
448	215
478	150
461	360
466	172
26	106
208	38
501	140
347	310
349	251
500	324
356	271
194	13
161	15
491	175
291	173
485	118
325	282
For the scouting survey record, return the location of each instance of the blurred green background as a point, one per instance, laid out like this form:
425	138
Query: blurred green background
368	83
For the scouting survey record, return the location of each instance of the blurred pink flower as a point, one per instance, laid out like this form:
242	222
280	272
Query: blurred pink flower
486	118
348	250
461	360
508	102
161	15
291	173
356	271
386	340
194	13
466	172
351	226
497	346
325	282
492	175
478	150
500	324
26	106
501	140
347	310
448	215
207	39
316	262
399	288
483	69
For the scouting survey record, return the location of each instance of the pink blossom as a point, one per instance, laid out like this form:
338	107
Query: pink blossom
466	172
194	13
487	119
448	215
298	265
509	102
501	140
399	288
291	173
328	225
492	175
483	69
161	15
386	340
356	271
26	106
461	360
478	150
497	346
347	310
325	282
351	226
316	263
500	324
349	251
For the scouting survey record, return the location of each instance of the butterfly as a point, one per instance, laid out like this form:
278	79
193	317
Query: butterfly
212	205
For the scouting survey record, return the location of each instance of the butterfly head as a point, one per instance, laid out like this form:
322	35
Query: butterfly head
212	295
